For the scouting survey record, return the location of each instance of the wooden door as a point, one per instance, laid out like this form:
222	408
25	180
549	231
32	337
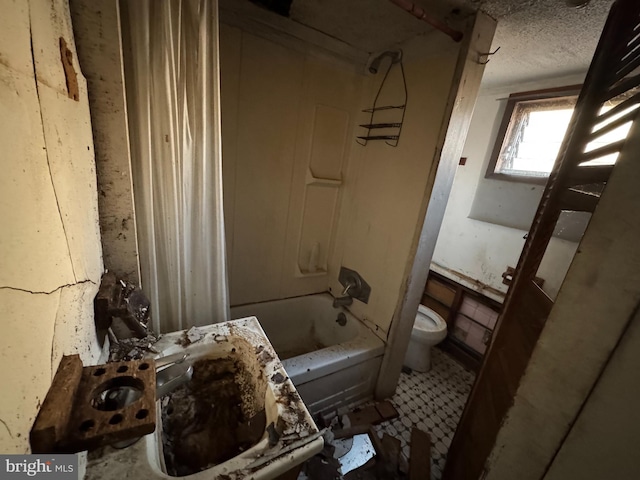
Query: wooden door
575	184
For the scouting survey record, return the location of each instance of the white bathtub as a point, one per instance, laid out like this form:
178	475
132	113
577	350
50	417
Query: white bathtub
330	365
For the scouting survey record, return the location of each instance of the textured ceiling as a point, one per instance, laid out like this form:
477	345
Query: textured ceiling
537	38
542	39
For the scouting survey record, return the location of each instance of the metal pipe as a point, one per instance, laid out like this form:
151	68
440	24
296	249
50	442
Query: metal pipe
421	14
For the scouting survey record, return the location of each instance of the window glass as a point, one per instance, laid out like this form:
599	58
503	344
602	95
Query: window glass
533	129
534	136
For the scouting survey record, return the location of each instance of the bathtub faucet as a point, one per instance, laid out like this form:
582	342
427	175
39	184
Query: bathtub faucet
344	300
354	287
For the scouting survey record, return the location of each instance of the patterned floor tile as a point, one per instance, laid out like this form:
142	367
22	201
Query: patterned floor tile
433	402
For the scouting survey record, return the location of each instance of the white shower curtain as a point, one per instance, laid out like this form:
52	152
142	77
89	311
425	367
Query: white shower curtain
173	100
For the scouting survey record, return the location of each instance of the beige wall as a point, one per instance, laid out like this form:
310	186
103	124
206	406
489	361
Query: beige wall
50	255
287	121
292	113
603	441
478	250
386	187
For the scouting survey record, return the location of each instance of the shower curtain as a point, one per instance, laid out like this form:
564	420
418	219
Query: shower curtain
173	101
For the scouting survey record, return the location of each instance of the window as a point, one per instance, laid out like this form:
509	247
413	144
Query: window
531	134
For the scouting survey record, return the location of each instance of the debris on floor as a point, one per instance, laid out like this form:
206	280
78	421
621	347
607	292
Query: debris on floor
353	450
433	402
373	414
429	405
420	460
323	466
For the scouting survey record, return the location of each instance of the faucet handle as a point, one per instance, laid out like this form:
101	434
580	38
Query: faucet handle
354	285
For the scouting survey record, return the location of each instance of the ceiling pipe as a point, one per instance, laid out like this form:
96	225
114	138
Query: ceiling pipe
421	14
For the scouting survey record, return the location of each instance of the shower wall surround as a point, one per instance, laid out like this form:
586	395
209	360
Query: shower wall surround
301	196
287	129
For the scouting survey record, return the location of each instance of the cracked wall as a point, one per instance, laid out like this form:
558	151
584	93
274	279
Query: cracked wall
50	253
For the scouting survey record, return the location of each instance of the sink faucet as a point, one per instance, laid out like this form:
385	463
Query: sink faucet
171	372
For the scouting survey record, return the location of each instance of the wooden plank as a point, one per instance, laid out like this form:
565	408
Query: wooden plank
364	472
441	292
351	431
387	410
365	416
377	443
607	149
55	413
392	448
590	174
453	311
576	201
420	460
438	307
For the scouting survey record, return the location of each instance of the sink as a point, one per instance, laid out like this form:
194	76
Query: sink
219	414
239	417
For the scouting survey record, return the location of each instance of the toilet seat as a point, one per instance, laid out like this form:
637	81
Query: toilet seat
429	326
429	329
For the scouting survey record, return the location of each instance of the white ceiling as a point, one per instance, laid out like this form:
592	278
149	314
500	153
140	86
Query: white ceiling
537	38
543	39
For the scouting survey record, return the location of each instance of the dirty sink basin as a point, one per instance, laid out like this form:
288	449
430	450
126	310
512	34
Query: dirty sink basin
240	417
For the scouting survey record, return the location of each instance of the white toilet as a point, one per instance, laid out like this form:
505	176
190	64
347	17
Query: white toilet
429	329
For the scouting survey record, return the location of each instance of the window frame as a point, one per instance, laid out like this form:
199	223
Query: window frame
512	101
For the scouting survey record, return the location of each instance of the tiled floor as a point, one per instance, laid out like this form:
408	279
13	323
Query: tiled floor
432	402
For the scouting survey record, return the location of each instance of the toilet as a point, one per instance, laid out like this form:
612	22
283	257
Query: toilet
429	329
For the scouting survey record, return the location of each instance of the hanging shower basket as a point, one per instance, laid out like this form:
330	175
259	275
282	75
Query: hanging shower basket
388	130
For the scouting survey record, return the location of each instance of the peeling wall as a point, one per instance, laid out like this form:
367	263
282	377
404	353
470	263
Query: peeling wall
469	248
50	254
96	25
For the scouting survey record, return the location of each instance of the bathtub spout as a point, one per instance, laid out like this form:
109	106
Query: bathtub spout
342	301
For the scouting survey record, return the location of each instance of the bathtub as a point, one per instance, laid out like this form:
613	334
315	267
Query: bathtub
330	364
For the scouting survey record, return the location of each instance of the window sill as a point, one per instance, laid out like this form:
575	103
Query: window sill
517	178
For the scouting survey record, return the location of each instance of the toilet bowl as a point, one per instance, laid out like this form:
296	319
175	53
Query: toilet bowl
429	329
